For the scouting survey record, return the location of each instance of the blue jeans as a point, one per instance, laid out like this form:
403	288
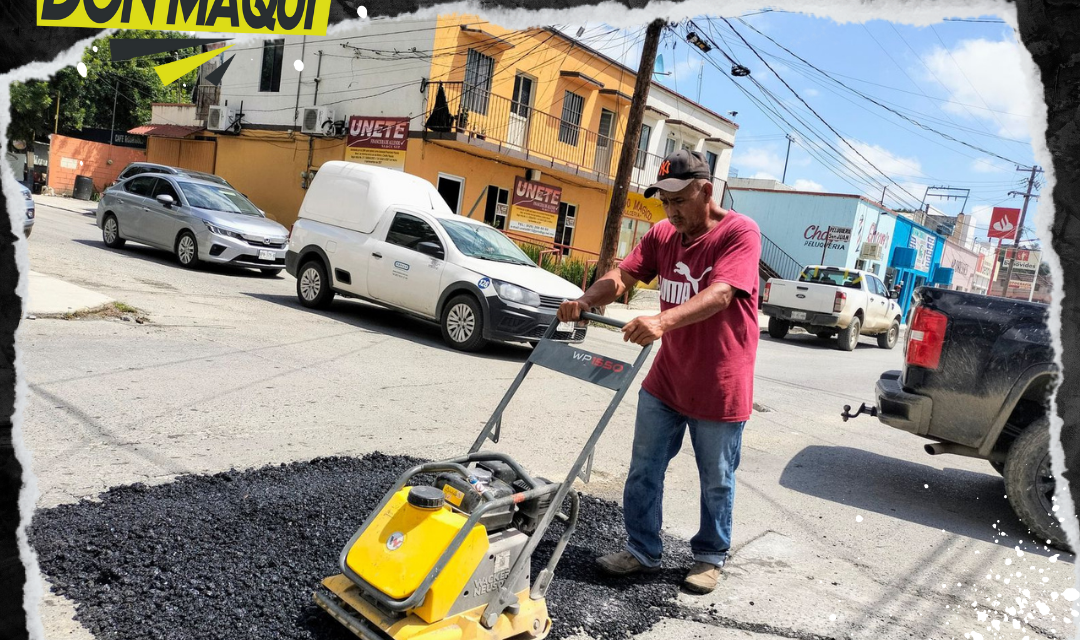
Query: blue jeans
658	436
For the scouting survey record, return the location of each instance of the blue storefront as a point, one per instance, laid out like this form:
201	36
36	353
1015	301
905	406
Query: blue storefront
914	260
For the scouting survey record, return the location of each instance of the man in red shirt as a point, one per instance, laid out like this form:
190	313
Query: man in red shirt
702	377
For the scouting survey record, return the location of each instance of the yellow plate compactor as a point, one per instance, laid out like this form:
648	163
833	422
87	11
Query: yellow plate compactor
452	560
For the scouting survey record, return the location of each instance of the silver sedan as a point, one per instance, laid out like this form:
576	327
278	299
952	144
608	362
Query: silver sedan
198	221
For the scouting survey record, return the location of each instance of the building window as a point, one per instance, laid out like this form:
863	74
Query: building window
710	157
686	147
451	189
273	51
570	125
478	72
497	206
564	229
631	232
643	146
669	147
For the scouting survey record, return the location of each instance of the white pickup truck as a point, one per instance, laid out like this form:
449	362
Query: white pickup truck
829	301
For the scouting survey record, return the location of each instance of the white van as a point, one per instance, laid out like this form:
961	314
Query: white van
388	237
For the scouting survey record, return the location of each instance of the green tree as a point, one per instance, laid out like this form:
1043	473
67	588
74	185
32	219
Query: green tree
132	85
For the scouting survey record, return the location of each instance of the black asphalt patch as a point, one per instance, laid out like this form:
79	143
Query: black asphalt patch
236	555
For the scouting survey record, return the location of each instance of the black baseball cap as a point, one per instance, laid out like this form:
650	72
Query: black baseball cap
679	169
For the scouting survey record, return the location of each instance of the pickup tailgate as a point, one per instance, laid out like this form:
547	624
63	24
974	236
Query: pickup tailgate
805	296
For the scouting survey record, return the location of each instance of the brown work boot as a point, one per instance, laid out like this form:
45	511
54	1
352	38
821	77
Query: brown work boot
623	563
702	577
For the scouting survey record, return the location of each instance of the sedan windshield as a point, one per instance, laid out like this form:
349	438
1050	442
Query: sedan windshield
484	242
215	198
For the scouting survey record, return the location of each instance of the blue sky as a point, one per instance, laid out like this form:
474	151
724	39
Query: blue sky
965	79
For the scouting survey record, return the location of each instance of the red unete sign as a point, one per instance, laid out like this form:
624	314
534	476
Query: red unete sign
1003	223
536	196
378	133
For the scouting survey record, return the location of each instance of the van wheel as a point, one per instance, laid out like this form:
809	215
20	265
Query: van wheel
463	324
888	339
313	287
1029	483
778	328
110	233
848	338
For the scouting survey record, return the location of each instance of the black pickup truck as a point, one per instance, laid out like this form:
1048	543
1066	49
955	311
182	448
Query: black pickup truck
977	376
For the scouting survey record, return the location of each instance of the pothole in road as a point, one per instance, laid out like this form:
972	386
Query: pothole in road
236	555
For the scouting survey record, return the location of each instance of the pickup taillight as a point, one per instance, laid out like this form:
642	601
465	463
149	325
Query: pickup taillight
926	338
765	296
838	302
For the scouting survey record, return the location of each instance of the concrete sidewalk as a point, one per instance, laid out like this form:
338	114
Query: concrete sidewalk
87	207
50	295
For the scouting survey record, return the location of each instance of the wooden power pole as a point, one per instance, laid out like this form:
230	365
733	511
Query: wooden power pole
1019	230
629	149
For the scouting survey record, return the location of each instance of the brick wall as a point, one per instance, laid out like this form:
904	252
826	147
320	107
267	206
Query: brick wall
70	157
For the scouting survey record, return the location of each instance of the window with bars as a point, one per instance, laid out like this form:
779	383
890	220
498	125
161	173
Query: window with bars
477	90
564	228
273	52
643	146
570	126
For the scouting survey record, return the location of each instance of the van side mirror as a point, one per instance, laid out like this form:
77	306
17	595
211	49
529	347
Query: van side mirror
166	200
431	249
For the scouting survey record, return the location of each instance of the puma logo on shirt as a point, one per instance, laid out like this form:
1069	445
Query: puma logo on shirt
679	292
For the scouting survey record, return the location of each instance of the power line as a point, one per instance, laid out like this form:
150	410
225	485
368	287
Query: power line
816	114
857	92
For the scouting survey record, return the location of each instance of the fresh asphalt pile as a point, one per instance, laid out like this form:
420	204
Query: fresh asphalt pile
237	554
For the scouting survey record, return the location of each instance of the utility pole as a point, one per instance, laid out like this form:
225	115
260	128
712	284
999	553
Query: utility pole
112	132
783	179
1019	228
628	155
56	118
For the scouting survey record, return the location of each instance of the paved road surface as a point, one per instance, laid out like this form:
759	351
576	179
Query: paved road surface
840	529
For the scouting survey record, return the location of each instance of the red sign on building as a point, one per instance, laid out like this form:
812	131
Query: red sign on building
1003	223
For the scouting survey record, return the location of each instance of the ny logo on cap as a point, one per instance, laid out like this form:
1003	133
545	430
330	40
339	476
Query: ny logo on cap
665	168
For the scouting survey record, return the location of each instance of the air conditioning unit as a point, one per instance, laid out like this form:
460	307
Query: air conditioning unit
220	118
317	121
873	252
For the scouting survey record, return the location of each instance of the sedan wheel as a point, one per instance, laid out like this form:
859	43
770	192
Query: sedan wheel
110	233
187	250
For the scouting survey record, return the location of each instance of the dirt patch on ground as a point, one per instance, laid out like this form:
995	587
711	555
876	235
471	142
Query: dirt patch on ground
111	311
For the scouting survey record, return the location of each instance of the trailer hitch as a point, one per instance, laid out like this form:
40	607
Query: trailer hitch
871	411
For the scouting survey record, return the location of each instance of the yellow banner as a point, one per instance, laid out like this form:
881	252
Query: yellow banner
538	223
638	207
389	158
306	17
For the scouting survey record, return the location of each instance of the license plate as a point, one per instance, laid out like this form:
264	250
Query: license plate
798	315
265	254
565	327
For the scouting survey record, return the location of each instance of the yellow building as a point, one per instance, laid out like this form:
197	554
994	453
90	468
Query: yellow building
522	129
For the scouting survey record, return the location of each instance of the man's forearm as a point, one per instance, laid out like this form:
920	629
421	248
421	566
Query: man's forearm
712	300
605	290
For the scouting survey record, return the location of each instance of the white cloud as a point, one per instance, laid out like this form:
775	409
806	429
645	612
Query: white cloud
810	93
985	76
758	159
807	185
764	175
989	165
907	194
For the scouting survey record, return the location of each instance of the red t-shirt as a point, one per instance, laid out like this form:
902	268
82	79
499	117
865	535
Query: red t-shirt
704	370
